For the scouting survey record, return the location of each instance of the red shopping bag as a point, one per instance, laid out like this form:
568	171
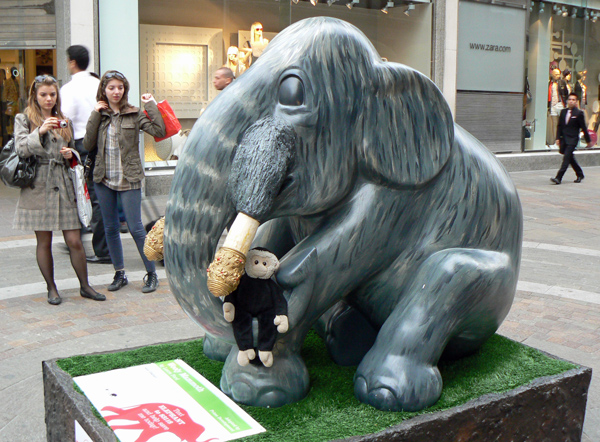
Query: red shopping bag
172	124
593	137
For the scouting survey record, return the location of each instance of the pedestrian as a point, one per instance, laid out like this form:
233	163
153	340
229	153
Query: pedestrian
78	99
113	132
50	203
222	78
570	123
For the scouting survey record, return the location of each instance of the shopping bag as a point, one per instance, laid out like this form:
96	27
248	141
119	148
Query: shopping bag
84	202
172	124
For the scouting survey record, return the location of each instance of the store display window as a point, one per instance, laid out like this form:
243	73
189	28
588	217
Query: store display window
185	44
563	58
18	68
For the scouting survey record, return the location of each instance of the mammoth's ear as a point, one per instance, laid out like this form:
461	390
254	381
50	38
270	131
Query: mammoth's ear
408	128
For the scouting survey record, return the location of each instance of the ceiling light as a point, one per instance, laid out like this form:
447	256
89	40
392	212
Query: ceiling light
295	1
387	6
574	13
409	8
556	9
586	15
314	2
351	4
541	7
331	2
565	11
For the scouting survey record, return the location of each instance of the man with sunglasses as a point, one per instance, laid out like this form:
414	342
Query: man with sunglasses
78	101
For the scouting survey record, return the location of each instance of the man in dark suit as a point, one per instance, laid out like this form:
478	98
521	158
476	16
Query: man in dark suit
570	122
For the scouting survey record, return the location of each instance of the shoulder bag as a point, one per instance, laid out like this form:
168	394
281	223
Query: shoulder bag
14	170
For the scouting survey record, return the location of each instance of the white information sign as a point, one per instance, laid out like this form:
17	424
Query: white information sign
165	402
80	434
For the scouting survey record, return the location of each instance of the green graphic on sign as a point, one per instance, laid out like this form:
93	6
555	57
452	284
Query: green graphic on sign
227	417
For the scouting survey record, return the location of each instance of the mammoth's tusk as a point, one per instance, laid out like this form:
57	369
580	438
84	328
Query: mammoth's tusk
227	268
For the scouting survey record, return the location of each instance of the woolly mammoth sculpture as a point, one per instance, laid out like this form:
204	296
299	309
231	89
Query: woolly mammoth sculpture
369	194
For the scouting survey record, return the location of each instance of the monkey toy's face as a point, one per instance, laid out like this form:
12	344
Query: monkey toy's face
261	264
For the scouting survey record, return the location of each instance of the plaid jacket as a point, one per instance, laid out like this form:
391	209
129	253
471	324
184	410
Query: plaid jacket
50	205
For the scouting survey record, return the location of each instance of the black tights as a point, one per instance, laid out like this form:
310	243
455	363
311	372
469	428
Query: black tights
46	261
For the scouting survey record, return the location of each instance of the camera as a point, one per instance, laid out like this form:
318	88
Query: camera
63	123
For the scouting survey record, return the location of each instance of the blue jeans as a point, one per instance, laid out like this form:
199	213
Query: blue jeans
132	206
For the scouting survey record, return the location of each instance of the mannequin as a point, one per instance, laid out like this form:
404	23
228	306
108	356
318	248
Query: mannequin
565	85
556	103
238	60
257	42
581	89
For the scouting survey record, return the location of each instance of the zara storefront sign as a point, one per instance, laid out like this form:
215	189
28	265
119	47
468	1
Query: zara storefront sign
491	48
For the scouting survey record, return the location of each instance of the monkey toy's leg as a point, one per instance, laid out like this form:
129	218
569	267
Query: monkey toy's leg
457	294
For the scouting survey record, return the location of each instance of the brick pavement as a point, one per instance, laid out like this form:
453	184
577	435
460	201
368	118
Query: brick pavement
556	308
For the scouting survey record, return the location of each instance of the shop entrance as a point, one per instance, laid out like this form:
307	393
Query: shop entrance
18	68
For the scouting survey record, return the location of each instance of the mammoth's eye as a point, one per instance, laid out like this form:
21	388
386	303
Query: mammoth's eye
265	264
256	262
291	91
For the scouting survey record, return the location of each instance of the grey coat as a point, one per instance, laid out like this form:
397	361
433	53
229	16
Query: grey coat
50	205
129	123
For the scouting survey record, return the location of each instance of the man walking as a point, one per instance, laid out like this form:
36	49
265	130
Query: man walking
78	98
570	122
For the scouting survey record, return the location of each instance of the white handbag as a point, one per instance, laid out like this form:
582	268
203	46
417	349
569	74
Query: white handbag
84	203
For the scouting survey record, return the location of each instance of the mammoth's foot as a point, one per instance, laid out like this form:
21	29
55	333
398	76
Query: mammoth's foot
215	349
403	385
285	382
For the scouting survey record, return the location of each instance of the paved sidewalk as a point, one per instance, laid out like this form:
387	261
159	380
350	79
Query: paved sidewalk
557	307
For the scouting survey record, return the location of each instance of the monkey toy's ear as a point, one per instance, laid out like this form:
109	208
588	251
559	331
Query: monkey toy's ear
408	128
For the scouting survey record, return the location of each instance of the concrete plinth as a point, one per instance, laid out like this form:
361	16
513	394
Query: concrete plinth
550	408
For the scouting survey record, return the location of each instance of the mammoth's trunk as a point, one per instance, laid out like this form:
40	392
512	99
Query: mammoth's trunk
261	164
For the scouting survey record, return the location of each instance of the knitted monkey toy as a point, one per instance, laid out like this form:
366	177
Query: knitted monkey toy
257	296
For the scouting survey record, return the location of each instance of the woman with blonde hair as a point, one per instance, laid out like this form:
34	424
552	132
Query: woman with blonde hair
49	204
113	132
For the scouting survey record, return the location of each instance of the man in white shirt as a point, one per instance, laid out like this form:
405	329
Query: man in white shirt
78	98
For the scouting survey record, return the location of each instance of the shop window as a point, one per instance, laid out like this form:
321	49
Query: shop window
184	42
18	68
563	49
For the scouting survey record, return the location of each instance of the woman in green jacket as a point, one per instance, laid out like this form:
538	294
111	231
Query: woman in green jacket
113	132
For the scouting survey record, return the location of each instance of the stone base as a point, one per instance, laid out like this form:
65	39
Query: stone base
550	409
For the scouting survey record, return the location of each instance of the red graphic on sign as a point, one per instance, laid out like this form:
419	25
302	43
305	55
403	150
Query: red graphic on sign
154	419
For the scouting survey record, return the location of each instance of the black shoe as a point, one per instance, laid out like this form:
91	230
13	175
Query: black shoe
94	295
54	300
150	282
98	259
119	281
579	179
123	228
555	180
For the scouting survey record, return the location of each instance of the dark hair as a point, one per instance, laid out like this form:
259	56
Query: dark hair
79	55
227	73
108	76
566	72
574	94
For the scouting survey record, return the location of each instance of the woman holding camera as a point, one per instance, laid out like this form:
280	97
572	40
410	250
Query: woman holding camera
113	132
49	204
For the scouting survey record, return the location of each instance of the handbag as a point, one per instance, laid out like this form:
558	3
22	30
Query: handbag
172	124
88	165
14	170
84	202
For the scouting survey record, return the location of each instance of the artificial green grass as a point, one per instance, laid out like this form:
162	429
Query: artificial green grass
330	411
